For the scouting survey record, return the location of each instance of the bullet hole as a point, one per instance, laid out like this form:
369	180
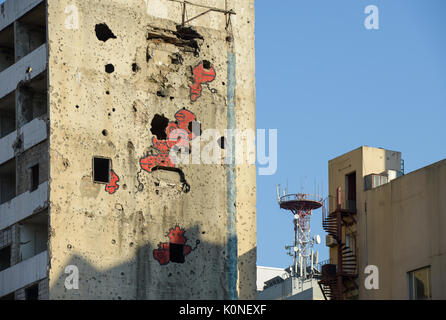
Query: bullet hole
103	32
113	109
223	83
109	114
77	107
176	58
107	92
135	67
161	94
104	133
122	273
169	275
228	39
157	192
29	69
171	98
69	247
222	142
195	128
113	241
124	187
206	64
204	232
134	109
131	244
158	126
109	68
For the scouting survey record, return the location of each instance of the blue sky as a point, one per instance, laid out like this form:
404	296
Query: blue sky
329	85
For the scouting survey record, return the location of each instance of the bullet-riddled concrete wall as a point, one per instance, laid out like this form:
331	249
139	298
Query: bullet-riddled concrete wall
120	72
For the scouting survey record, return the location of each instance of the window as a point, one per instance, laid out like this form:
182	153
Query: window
350	182
5	258
32	293
101	170
34	177
176	252
420	287
7	181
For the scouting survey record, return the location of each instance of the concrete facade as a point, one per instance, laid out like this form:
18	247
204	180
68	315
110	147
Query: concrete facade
119	75
398	223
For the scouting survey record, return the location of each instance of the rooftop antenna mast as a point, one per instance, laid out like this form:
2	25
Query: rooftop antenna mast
301	205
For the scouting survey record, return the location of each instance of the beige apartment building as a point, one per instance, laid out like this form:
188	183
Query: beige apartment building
93	206
379	216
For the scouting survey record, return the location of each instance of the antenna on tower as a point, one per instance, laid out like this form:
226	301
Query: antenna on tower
301	205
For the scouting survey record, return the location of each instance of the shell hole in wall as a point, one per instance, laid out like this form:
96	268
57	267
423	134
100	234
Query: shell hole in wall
101	170
206	64
158	126
103	32
176	252
109	68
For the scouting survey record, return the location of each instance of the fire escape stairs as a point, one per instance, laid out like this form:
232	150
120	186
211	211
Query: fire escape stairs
346	269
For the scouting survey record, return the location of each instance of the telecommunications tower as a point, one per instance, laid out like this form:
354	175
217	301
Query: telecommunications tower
301	205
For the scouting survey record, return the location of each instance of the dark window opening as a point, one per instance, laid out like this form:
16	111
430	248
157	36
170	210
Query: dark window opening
7	181
176	252
7	47
32	293
7	114
101	170
30	31
351	191
32	101
5	258
34	177
33	235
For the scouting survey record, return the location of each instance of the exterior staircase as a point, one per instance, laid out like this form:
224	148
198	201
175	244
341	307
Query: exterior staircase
339	278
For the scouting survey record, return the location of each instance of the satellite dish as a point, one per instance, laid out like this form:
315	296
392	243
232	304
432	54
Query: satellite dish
317	239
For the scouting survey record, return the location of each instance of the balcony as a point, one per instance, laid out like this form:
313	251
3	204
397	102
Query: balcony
23	273
23	206
33	133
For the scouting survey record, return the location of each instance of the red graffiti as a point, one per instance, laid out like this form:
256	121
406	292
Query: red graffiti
201	76
176	236
178	135
113	185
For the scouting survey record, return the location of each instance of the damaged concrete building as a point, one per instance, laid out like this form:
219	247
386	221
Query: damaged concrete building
92	206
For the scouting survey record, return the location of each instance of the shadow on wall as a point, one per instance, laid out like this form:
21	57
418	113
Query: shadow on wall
195	270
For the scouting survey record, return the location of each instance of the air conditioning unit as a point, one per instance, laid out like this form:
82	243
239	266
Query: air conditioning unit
330	241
